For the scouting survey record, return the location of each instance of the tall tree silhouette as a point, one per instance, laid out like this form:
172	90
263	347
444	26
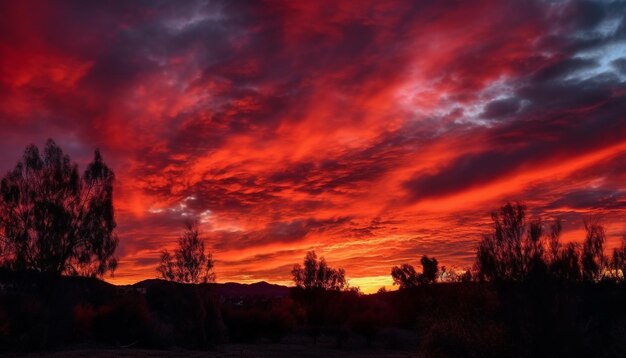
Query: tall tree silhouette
500	252
567	267
534	250
430	268
318	274
593	259
54	220
554	240
563	261
189	264
518	249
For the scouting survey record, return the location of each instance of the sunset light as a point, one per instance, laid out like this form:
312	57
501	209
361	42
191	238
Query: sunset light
370	132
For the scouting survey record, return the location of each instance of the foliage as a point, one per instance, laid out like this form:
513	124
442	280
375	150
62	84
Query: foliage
405	275
567	267
429	268
593	259
189	263
54	220
520	250
617	265
318	274
499	254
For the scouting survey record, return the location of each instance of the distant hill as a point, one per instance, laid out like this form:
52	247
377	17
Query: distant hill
231	289
255	289
32	280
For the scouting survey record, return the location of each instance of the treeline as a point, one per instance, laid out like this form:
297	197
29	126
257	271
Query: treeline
519	249
527	294
54	219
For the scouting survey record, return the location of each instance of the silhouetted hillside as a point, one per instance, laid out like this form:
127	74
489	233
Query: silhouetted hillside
229	289
31	281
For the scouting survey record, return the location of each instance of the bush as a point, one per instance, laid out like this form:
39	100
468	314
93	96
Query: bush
126	322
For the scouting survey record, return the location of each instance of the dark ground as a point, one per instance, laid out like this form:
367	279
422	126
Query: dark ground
227	351
79	317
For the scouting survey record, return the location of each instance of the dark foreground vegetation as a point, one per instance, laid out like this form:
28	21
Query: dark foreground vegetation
534	318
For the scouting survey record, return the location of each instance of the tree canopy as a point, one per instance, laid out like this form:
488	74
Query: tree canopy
519	249
189	263
54	220
406	276
318	274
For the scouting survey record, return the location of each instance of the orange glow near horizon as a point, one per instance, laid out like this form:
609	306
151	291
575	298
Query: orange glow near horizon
372	133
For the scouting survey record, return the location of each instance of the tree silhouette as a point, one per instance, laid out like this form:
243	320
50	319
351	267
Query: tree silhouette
500	254
54	220
568	265
189	264
593	259
554	241
405	275
429	268
563	261
318	274
618	261
534	251
517	249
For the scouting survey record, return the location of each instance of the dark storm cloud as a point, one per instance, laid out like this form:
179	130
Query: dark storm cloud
531	143
501	108
563	109
620	65
562	69
592	199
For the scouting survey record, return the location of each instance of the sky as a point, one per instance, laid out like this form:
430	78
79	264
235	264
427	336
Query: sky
372	132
